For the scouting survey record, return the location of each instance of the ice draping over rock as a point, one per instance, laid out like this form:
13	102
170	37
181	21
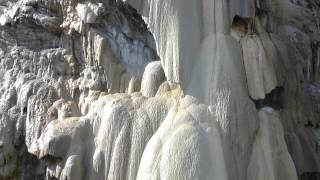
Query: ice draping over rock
89	12
214	47
115	129
180	27
243	8
152	78
270	158
187	138
224	100
83	94
261	76
44	85
204	48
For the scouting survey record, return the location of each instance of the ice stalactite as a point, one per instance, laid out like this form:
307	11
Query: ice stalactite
260	72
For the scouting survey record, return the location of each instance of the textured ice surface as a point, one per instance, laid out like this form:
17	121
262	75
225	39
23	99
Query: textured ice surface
217	90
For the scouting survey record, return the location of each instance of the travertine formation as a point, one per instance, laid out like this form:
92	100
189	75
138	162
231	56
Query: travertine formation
159	89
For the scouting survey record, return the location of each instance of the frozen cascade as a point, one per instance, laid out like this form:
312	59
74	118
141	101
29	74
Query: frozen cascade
206	89
261	76
220	55
270	158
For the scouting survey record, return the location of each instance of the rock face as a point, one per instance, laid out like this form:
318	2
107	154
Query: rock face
159	89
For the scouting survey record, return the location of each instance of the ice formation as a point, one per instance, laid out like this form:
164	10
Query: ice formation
159	89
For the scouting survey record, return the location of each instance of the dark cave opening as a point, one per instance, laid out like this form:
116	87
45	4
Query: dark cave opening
274	99
310	176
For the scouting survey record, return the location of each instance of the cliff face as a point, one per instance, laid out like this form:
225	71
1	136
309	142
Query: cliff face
159	89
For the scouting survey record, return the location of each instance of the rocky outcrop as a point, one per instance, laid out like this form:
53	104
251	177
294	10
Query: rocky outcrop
159	89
